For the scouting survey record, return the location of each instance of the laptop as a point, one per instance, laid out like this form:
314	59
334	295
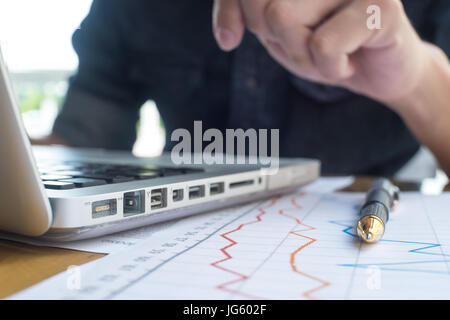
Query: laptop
64	194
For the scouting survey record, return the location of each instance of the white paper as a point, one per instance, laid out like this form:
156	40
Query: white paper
329	184
300	246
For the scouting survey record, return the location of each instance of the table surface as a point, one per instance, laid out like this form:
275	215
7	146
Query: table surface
22	265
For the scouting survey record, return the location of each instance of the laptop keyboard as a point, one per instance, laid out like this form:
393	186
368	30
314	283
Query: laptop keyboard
70	175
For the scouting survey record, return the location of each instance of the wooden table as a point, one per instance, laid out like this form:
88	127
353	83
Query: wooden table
22	265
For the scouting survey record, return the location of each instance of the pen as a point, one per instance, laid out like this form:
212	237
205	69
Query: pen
374	213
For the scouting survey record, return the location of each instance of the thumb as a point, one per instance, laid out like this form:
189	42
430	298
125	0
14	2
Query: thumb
228	24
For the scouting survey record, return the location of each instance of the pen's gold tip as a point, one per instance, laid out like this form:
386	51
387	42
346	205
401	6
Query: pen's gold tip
370	229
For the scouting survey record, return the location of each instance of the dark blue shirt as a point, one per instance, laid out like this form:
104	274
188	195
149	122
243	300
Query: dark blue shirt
131	51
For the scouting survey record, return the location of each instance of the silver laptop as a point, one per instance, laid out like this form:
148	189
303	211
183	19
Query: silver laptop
64	194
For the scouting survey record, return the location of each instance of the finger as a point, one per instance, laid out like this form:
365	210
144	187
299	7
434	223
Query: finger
228	23
289	46
308	13
344	33
292	22
253	11
300	62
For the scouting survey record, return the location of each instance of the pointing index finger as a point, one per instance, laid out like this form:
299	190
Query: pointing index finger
228	23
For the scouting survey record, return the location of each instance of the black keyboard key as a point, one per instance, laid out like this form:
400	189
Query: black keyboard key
191	170
97	167
86	174
136	170
109	178
173	172
85	182
119	179
136	173
58	185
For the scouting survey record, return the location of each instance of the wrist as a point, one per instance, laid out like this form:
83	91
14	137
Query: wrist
426	110
51	139
419	107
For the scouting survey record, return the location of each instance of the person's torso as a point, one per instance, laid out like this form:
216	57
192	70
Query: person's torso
172	53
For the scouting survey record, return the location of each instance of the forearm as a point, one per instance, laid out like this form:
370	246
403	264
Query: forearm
426	111
91	121
51	139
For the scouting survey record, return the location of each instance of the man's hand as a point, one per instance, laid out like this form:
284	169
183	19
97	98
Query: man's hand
329	41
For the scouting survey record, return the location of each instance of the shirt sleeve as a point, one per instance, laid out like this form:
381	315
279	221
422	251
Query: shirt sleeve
102	104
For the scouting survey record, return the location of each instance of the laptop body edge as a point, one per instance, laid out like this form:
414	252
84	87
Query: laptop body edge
25	208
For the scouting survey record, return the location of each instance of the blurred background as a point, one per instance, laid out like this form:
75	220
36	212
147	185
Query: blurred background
35	38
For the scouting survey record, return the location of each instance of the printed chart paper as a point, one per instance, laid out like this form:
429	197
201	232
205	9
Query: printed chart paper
300	246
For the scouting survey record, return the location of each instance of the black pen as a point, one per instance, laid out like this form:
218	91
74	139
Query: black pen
374	214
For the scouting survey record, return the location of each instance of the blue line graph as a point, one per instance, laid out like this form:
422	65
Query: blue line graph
422	248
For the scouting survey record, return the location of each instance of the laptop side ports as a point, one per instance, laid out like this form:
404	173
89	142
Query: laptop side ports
104	208
243	183
158	198
196	192
216	188
133	203
177	195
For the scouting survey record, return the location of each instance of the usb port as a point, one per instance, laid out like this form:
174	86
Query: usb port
104	208
196	192
177	195
216	188
158	199
133	203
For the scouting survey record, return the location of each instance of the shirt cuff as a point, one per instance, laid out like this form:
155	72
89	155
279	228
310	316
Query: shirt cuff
91	122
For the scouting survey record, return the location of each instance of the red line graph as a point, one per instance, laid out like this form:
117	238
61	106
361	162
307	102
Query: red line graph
293	255
292	259
240	276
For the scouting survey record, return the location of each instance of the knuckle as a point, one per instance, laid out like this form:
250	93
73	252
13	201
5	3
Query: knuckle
303	61
278	13
438	52
255	26
332	74
322	44
391	6
255	23
398	40
300	60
